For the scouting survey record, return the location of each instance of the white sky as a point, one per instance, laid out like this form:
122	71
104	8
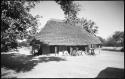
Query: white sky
108	15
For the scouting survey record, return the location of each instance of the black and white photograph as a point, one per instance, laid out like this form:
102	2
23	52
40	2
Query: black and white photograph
62	39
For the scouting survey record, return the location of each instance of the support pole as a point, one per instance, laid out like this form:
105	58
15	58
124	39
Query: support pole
55	50
93	49
85	50
99	49
71	49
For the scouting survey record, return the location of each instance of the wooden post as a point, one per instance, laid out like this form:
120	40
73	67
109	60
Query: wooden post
85	50
99	49
88	49
93	49
71	50
55	50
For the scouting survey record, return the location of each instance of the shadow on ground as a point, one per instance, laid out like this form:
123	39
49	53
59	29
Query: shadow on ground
51	58
110	72
24	62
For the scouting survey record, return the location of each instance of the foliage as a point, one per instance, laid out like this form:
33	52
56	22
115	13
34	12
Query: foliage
102	40
16	22
110	42
117	39
70	9
88	25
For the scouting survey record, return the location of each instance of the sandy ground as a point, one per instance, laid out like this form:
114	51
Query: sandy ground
74	66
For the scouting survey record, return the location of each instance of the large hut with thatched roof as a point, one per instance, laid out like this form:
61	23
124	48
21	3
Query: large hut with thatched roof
59	36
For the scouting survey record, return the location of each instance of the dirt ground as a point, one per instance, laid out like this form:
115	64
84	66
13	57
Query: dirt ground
107	63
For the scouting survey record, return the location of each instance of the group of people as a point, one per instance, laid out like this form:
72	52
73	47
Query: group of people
73	53
77	53
61	53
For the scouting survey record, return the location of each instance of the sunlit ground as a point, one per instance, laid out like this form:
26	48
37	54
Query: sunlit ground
107	63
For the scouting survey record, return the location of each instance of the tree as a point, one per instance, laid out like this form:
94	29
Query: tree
15	20
117	39
102	40
110	42
70	9
88	25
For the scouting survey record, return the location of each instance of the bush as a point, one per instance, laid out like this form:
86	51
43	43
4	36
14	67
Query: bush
9	46
23	44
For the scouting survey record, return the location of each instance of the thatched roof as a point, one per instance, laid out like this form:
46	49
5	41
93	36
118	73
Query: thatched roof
60	33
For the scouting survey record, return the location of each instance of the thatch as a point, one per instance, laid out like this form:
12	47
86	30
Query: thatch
60	33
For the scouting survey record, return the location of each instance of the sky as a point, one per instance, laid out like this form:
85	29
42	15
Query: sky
108	15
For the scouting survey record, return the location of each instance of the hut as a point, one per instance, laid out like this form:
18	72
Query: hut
60	36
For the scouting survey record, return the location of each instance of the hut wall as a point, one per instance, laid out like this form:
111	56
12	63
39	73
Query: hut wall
62	48
82	48
52	49
45	49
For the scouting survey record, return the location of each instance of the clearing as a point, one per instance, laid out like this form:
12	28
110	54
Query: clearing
107	63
